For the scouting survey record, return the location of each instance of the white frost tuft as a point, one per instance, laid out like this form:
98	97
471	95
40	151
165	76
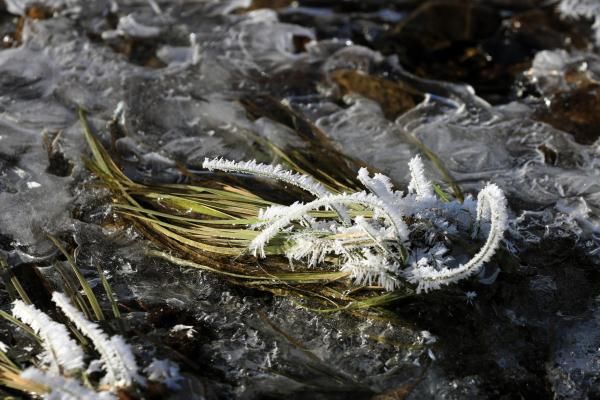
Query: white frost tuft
372	268
119	362
298	210
419	184
63	388
61	352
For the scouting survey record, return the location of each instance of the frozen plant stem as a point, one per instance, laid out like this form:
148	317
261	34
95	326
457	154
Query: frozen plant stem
298	210
419	183
492	203
62	388
119	362
62	353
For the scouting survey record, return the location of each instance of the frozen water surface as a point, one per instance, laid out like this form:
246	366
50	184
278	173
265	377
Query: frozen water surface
180	71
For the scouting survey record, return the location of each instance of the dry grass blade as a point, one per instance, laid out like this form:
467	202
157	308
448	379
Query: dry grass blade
12	284
89	293
21	325
11	378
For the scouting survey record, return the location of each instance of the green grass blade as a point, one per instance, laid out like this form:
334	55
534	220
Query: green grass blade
89	293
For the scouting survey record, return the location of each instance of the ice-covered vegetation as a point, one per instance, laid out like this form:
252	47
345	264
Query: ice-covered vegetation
376	249
62	374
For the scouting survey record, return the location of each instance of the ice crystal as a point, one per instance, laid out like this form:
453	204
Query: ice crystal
61	352
491	202
372	268
166	372
62	388
419	183
119	362
306	246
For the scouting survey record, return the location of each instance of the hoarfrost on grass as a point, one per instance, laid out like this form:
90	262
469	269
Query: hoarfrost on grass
61	388
372	250
61	352
117	357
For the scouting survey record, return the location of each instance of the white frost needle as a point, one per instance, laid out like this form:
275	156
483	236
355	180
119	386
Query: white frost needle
491	202
381	186
119	362
419	182
61	351
377	236
312	249
276	172
62	388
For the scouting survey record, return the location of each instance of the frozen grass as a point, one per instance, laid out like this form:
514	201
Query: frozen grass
62	370
222	227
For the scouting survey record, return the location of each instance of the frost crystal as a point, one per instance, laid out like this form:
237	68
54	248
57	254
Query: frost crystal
372	268
492	203
164	371
61	352
63	388
419	183
119	362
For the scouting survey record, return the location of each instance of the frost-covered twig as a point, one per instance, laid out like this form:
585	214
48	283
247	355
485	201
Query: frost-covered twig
419	182
299	210
491	201
63	388
61	351
276	172
119	362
